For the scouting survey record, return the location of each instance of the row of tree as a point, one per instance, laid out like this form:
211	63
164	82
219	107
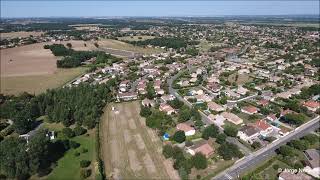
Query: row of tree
175	43
60	105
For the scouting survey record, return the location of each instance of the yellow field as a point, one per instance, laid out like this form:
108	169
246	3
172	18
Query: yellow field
11	35
38	83
114	44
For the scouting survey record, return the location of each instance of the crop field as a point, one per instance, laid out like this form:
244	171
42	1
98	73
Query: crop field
12	35
136	38
114	44
131	150
27	60
37	84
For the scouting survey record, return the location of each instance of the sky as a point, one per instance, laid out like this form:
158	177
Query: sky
71	8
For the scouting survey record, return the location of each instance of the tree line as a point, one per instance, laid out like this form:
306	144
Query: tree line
60	105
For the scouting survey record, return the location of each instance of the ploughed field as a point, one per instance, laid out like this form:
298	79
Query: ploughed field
130	150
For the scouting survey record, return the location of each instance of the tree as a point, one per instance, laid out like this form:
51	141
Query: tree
68	132
84	173
230	130
145	111
184	115
69	45
228	151
311	138
199	161
176	103
179	136
299	144
296	119
167	151
256	145
84	163
13	157
96	44
78	130
210	131
286	150
221	138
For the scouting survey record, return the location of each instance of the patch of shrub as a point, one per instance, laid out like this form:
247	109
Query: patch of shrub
84	163
84	173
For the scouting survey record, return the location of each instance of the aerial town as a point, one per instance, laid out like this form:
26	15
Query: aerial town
160	98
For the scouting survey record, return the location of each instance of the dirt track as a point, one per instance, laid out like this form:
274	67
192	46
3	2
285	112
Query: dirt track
129	151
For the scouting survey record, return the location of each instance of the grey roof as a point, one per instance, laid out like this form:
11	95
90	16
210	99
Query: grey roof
249	130
313	157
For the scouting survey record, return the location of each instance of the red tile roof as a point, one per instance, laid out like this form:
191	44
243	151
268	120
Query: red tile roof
262	124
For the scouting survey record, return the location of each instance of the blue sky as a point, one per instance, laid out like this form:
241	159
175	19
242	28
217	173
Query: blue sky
154	8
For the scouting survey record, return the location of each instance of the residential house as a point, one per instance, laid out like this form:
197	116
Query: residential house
264	127
166	108
201	147
241	90
248	133
217	119
124	85
232	118
127	96
249	110
312	105
215	107
188	130
313	157
147	103
167	98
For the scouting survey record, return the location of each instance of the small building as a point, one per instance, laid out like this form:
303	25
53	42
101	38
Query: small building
167	98
147	103
313	158
215	107
248	133
249	110
202	147
188	130
264	127
127	96
166	108
312	105
232	118
286	175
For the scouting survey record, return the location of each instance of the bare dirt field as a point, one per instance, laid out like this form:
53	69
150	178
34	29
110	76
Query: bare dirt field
27	60
12	35
128	150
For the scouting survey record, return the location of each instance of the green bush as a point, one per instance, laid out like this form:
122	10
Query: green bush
78	130
68	132
179	136
84	163
76	154
84	150
84	173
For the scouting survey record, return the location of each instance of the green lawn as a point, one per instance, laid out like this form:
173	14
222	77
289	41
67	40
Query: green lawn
68	167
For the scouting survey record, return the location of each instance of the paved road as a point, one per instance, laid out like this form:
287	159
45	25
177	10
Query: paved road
204	117
251	161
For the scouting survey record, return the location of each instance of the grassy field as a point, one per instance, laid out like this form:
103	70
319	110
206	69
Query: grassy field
130	150
38	83
68	167
11	35
114	44
242	78
135	38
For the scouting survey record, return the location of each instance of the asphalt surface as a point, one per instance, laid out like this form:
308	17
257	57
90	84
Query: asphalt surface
251	161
